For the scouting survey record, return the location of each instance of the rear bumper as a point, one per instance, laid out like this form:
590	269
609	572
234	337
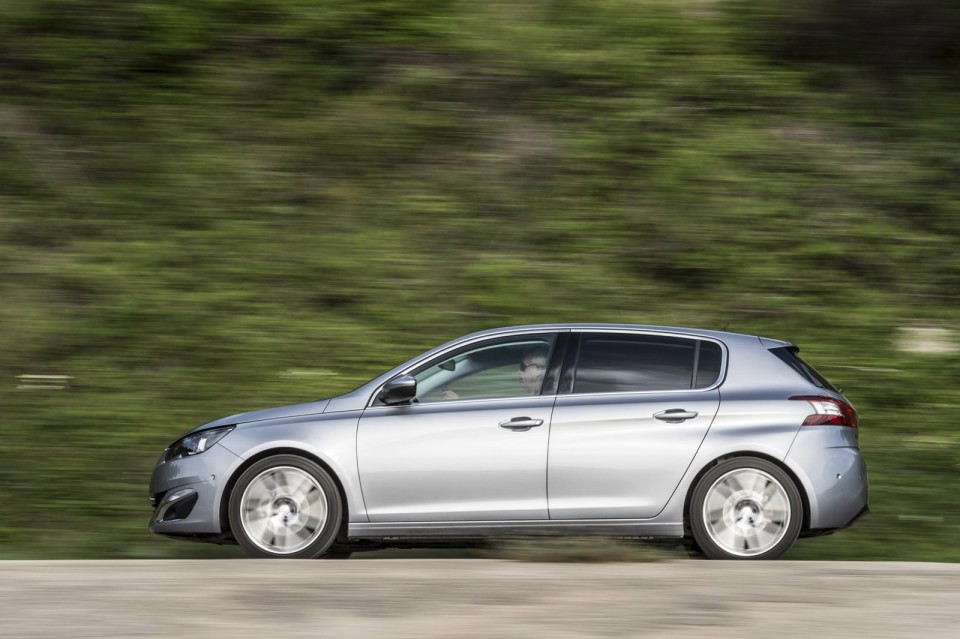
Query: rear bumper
819	532
833	475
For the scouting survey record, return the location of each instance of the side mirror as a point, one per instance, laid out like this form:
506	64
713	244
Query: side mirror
398	390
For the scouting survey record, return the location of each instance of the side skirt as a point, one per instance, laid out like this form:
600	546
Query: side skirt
475	529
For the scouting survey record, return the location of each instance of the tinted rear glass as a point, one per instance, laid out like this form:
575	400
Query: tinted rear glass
611	363
790	357
708	364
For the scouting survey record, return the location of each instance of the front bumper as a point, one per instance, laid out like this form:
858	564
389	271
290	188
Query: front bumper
186	493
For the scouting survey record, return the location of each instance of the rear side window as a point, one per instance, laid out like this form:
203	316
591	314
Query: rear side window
618	363
789	356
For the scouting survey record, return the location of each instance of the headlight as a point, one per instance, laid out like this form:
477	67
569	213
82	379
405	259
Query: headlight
196	443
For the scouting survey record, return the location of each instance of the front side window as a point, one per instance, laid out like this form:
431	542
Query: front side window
511	367
619	363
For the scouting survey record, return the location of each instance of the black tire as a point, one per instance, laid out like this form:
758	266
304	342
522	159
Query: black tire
286	507
757	521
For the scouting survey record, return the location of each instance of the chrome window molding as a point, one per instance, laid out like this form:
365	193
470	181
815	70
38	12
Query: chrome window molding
371	401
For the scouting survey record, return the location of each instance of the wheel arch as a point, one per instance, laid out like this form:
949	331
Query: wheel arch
298	452
804	498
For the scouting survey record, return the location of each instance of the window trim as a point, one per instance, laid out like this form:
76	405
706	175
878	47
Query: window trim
574	362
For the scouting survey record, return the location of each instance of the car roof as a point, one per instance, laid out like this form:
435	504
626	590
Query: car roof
720	335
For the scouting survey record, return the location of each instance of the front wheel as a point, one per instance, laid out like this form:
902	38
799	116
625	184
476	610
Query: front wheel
745	508
285	506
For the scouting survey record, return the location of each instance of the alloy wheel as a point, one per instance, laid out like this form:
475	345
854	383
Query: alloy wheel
746	512
283	510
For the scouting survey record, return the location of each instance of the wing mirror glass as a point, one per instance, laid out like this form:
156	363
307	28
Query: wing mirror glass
398	390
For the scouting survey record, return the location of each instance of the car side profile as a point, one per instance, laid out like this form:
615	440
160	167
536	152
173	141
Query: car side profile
729	442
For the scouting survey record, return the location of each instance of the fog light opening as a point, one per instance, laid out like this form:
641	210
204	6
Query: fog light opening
177	505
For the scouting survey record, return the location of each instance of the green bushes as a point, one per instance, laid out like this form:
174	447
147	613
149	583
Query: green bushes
217	206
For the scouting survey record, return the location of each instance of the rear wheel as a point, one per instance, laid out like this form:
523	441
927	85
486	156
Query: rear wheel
745	508
286	507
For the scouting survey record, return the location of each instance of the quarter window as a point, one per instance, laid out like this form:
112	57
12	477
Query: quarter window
708	364
612	363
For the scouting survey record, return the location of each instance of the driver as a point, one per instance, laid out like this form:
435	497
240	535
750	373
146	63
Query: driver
533	365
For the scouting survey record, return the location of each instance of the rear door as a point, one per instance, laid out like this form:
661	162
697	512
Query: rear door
638	407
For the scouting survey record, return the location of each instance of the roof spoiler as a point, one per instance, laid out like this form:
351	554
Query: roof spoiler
770	343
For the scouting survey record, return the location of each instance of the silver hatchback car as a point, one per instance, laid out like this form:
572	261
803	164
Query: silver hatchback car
730	442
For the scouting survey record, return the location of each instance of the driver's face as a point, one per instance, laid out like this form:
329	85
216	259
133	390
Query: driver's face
531	373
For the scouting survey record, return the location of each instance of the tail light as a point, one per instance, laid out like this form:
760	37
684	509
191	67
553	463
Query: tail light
828	411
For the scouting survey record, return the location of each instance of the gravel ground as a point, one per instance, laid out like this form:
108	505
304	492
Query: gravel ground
426	598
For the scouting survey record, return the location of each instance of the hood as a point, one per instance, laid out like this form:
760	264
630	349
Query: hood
294	410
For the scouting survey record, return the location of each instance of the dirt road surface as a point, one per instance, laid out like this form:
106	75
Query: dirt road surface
473	598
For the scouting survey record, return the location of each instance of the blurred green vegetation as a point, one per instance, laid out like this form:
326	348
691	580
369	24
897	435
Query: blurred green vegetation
215	206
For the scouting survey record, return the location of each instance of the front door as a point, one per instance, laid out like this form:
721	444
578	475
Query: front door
472	446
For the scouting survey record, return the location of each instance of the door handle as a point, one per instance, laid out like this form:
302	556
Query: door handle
520	423
675	415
